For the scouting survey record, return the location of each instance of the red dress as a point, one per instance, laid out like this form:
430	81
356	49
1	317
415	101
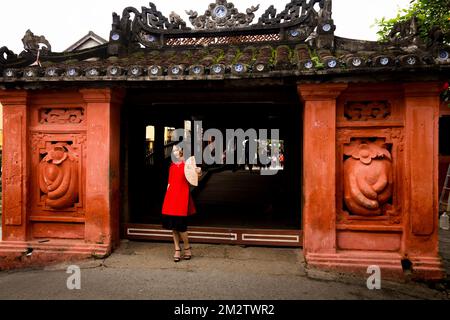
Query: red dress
178	201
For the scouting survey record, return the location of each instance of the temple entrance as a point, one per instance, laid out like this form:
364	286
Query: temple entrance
245	202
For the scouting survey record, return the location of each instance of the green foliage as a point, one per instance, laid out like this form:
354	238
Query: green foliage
237	56
429	13
291	54
317	63
219	57
273	57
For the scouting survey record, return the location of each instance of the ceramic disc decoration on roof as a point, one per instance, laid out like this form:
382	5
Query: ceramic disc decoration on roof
190	171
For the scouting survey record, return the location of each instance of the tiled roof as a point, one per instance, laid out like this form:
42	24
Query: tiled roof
227	62
297	42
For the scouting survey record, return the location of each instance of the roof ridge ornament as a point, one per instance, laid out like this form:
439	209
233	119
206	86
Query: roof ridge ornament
301	10
32	43
407	34
222	14
151	18
34	47
6	55
222	23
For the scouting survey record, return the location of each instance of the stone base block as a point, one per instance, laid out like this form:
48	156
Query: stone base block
420	268
15	255
427	268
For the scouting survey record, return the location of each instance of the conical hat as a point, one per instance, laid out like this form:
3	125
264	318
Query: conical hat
189	171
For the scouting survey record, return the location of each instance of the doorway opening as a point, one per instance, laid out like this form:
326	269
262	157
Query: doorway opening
245	203
444	156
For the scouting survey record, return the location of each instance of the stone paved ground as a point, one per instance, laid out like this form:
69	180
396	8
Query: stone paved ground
143	270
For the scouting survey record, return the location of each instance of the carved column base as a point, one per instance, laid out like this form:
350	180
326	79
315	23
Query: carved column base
21	254
422	268
357	263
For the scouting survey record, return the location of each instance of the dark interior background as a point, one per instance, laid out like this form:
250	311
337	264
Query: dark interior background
227	196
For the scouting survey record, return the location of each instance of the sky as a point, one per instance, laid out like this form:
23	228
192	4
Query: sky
64	22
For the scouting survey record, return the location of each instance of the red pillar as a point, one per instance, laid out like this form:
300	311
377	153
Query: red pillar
319	166
422	124
103	165
15	170
408	230
25	221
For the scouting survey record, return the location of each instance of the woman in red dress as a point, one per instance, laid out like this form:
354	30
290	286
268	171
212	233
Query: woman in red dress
178	205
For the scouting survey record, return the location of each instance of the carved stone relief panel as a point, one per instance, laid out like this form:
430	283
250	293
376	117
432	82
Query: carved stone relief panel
364	111
58	177
58	172
61	116
370	175
368	180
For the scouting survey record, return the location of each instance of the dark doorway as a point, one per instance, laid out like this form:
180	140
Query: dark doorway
444	159
228	196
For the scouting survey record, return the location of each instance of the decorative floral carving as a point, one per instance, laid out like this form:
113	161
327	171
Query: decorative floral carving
368	177
61	116
304	19
363	111
222	14
176	22
269	17
58	177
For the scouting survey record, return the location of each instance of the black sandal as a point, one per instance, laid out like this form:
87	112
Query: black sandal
186	256
177	259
